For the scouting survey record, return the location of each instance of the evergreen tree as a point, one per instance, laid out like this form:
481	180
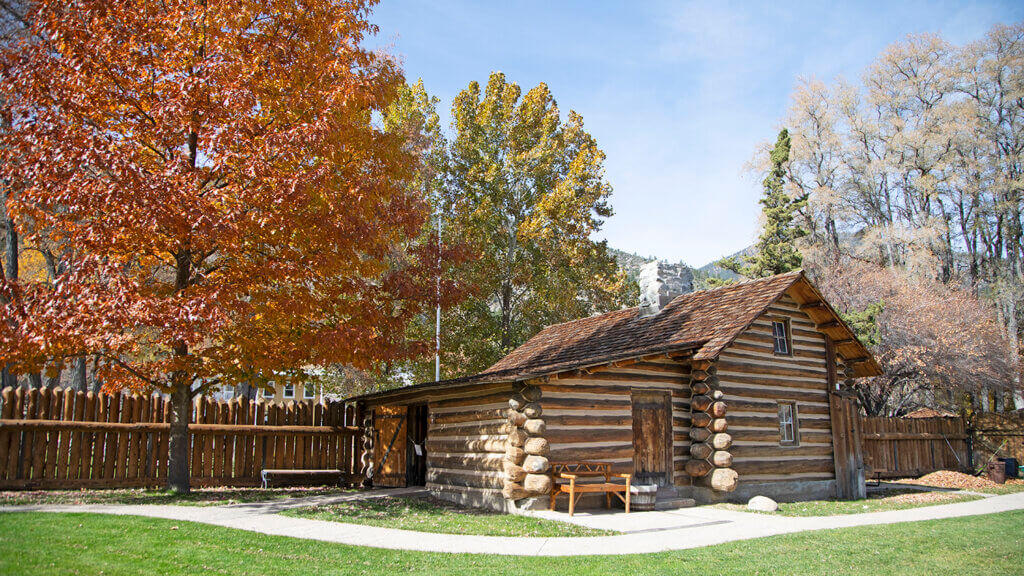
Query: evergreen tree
776	248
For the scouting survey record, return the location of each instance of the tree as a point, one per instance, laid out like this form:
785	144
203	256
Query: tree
528	191
937	344
776	250
235	211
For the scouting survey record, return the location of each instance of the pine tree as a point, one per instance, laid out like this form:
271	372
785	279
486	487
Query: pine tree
776	248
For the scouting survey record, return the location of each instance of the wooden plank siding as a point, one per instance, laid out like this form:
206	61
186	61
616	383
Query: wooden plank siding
589	417
755	379
466	435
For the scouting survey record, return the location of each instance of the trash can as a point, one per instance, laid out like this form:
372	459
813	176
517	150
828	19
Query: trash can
997	472
1011	466
642	497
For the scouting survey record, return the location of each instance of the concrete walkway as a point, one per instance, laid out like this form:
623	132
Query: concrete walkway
644	531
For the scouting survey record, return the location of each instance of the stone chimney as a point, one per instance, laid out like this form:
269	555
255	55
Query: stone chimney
654	292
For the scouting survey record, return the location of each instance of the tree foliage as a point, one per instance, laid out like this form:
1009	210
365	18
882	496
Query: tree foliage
225	207
776	251
919	170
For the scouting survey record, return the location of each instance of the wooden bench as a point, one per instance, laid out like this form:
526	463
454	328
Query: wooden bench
564	476
274	478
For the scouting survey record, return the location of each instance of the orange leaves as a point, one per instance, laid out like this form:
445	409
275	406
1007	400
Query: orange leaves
222	202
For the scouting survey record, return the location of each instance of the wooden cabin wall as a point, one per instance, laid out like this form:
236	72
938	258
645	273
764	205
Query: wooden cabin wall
589	416
755	380
466	434
466	438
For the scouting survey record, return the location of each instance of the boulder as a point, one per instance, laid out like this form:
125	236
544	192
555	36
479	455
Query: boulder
762	504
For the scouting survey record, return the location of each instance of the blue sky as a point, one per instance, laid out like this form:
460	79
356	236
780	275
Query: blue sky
678	94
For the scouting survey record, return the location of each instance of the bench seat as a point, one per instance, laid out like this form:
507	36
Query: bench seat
274	478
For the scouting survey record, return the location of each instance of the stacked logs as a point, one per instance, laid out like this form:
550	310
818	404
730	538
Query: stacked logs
366	458
526	464
710	461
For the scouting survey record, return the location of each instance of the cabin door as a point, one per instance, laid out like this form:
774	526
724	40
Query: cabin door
416	446
652	437
389	446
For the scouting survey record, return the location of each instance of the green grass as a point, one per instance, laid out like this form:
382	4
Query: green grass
42	544
197	497
432	515
1007	488
895	499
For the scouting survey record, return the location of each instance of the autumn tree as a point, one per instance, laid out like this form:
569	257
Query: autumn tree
776	251
918	169
528	192
236	211
937	344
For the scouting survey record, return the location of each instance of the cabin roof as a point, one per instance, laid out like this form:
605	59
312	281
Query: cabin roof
703	322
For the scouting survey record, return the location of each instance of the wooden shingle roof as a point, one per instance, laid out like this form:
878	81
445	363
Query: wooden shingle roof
703	322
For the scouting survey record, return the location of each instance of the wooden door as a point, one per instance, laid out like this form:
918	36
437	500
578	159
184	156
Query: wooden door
389	446
652	437
416	446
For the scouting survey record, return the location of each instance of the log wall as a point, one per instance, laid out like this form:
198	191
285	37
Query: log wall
589	416
755	380
466	436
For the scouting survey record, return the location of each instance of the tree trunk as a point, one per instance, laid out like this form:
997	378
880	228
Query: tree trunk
178	464
78	380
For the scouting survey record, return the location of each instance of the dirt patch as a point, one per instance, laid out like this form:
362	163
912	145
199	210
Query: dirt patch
958	481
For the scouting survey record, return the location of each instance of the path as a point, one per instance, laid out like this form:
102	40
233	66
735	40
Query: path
649	531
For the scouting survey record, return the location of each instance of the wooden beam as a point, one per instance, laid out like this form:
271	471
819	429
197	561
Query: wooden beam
826	325
813	306
844	341
860	360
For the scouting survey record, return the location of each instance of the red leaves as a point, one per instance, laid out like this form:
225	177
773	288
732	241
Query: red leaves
216	186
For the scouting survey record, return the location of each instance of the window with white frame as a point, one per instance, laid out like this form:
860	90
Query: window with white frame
289	391
789	432
308	391
780	337
269	392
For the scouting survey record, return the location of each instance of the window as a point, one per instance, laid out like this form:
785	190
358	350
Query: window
269	392
780	337
789	431
289	391
308	391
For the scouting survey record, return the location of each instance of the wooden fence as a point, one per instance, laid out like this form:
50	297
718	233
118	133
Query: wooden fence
66	439
904	447
998	435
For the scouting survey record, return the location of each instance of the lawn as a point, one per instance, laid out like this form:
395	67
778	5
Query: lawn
197	497
427	514
44	544
895	499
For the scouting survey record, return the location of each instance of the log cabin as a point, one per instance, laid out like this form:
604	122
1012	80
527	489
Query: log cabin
715	395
